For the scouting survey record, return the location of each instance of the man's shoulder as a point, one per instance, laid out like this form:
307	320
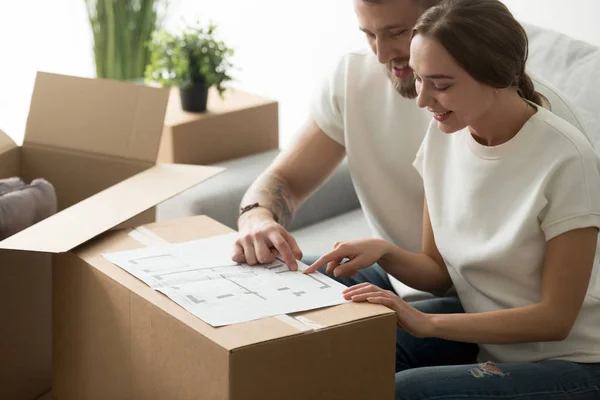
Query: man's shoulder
358	55
357	61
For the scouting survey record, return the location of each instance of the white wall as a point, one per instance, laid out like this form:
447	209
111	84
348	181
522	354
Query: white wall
577	18
283	46
48	35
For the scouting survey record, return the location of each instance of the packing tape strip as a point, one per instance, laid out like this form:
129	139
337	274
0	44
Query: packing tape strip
293	322
301	323
146	237
308	322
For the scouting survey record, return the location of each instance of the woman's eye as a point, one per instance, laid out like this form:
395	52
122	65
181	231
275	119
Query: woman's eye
441	89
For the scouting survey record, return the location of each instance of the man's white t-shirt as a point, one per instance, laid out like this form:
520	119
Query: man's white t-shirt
493	210
358	107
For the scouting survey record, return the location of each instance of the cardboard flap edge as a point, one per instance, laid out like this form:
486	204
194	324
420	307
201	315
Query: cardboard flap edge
6	142
139	135
97	214
373	312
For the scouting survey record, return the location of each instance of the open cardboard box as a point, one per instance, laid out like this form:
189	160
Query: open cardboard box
118	339
96	141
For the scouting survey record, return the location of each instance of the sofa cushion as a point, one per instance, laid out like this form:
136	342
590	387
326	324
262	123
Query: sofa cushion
572	67
220	196
318	239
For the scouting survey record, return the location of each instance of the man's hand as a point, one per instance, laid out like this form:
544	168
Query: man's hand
409	318
360	253
262	239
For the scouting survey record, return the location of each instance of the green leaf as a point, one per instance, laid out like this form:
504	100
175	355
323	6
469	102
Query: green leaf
193	55
121	30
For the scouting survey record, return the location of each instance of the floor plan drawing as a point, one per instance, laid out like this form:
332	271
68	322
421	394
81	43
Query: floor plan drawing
220	292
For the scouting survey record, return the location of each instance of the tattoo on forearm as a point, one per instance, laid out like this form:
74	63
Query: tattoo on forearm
272	192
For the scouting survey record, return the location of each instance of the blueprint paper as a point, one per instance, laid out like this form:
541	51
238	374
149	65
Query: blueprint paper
201	277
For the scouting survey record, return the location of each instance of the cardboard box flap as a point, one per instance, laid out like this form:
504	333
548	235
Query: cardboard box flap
107	209
344	313
10	157
6	143
239	336
98	116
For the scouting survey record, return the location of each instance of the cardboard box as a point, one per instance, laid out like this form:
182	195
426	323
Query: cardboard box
242	124
96	141
118	339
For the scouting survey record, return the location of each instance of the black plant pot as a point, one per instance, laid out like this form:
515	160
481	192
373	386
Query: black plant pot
193	99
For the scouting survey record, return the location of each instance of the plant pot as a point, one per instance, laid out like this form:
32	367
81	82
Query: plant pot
193	99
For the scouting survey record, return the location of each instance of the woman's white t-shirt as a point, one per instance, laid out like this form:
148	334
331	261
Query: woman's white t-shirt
492	211
358	107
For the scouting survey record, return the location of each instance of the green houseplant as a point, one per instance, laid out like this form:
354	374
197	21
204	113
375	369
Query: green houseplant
121	30
193	60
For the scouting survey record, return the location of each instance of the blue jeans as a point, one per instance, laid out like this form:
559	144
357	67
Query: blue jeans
432	368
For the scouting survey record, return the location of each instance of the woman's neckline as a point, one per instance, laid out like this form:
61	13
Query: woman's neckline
503	149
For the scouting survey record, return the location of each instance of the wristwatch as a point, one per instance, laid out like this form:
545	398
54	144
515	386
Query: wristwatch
248	208
254	205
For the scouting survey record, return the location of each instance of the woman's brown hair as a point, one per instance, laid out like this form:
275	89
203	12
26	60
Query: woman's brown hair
486	41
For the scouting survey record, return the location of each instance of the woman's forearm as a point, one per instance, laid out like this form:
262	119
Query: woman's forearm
534	323
418	271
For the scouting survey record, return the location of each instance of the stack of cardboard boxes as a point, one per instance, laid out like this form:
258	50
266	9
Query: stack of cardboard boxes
73	322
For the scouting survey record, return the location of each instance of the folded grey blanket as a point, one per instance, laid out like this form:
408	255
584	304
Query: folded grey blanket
23	205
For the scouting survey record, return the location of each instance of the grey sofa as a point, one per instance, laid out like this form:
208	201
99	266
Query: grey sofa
333	213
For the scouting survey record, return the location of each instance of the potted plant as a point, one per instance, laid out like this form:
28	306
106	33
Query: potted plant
121	30
194	61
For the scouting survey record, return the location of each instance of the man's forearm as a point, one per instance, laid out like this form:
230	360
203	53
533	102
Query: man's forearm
272	192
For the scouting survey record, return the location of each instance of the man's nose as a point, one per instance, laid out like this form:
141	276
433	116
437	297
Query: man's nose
385	51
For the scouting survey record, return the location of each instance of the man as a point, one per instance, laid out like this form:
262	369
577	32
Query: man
365	111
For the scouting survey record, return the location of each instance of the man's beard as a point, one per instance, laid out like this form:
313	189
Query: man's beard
404	86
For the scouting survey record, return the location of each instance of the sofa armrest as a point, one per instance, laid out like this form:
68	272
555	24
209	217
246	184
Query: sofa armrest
220	197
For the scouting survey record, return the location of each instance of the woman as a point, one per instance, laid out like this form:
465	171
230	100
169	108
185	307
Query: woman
511	220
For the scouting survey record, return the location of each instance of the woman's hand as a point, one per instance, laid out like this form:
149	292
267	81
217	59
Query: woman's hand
409	318
360	254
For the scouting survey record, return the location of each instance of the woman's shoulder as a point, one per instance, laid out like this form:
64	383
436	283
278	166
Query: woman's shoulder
556	134
559	103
